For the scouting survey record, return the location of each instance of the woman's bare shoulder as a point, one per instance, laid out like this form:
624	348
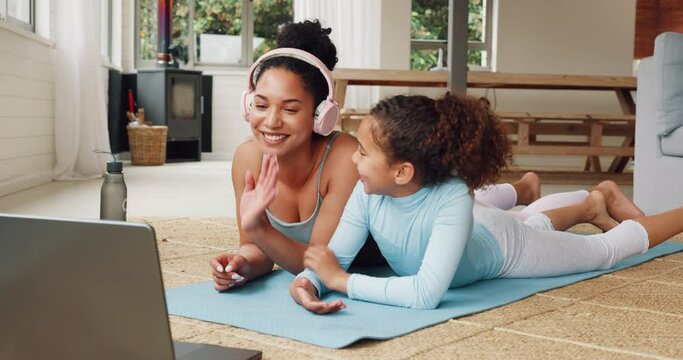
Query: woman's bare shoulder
344	145
339	166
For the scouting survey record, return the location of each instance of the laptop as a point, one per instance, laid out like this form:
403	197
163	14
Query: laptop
87	289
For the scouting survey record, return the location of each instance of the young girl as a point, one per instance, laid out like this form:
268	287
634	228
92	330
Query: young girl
418	161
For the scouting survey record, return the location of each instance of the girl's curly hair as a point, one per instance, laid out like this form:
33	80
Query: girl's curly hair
444	138
311	37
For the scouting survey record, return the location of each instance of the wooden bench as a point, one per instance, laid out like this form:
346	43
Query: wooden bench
587	131
528	126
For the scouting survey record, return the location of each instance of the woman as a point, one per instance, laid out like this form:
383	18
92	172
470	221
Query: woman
310	194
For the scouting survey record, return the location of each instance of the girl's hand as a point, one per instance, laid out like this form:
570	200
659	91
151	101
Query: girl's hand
224	270
322	260
257	196
304	293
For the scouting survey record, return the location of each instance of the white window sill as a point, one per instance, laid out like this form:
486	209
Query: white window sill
27	34
109	65
220	70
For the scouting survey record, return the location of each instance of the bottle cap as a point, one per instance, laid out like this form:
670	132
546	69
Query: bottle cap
114	166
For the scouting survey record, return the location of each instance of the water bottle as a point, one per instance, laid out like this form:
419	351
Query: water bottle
114	194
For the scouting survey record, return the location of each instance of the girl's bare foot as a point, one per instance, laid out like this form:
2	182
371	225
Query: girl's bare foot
619	206
597	213
528	188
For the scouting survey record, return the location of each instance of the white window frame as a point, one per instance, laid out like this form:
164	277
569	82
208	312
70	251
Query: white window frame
106	31
485	45
11	20
247	40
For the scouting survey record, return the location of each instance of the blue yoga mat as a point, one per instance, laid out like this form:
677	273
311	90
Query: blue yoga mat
265	305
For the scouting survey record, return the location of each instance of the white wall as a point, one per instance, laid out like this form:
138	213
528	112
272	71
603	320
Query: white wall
579	37
394	50
229	129
27	149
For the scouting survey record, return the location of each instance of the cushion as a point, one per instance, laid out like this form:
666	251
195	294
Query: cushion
668	57
672	144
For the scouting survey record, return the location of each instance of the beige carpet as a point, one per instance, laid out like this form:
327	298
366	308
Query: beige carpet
633	313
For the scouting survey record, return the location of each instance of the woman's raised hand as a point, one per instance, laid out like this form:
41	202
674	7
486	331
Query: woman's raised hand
258	195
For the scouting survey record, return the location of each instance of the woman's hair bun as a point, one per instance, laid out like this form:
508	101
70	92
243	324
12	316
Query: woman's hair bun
311	37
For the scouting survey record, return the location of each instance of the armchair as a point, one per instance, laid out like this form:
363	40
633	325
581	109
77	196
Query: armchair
658	166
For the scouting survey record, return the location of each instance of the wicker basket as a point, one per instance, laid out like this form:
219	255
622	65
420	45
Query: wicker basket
147	144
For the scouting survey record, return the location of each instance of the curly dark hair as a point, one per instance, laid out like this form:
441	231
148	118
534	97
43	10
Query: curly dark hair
451	136
311	37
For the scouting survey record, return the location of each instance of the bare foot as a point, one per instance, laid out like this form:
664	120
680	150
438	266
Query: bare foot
528	188
619	206
597	214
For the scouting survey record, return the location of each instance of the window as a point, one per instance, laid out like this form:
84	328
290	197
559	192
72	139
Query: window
429	32
19	13
213	32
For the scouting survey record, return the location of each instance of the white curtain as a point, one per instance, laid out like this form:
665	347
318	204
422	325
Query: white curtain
355	33
80	112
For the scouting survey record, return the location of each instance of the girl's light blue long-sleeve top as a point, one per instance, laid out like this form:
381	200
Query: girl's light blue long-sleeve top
429	239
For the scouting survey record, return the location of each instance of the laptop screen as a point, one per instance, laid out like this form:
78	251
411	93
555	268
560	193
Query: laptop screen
80	289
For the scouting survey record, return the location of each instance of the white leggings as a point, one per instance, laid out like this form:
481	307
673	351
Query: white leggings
532	249
504	196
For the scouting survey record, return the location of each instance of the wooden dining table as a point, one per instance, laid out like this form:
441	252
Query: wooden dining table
622	86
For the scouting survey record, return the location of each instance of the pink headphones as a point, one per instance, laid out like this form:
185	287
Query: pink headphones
327	111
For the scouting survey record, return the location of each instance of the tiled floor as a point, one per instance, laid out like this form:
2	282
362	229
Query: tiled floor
198	189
